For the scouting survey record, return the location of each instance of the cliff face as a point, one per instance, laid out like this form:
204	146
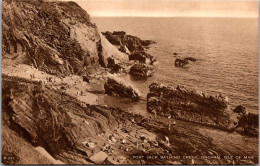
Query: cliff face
190	105
59	124
56	37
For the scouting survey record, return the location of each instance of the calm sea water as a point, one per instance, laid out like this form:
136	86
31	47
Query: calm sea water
226	49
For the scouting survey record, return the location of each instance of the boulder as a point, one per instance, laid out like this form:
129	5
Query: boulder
239	109
99	157
247	122
184	62
142	57
113	64
115	86
142	70
189	104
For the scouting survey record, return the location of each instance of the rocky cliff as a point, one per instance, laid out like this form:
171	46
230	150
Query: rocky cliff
56	37
131	45
190	105
53	127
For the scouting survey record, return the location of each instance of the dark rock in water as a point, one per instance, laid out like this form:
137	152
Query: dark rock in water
142	57
239	109
132	43
147	43
181	63
184	62
247	122
142	70
191	59
115	86
190	105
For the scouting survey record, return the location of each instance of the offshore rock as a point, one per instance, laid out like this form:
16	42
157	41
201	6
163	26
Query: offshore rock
115	86
190	105
142	70
184	62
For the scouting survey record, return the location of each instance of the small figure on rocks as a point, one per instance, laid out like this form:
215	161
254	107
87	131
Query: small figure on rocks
11	94
167	140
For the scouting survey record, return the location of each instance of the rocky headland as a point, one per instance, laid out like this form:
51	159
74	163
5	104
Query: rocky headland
136	49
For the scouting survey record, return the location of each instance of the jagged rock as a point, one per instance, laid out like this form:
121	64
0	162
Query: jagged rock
133	43
142	57
141	70
115	86
184	62
190	105
119	33
113	39
113	64
124	49
249	122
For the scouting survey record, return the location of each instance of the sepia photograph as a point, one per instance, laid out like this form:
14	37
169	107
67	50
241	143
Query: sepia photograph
130	82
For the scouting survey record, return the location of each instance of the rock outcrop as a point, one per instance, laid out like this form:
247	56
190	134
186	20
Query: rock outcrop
142	57
190	105
131	45
56	37
142	70
45	117
115	86
248	123
184	62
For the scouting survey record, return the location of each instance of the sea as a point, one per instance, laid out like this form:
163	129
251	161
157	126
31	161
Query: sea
226	49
